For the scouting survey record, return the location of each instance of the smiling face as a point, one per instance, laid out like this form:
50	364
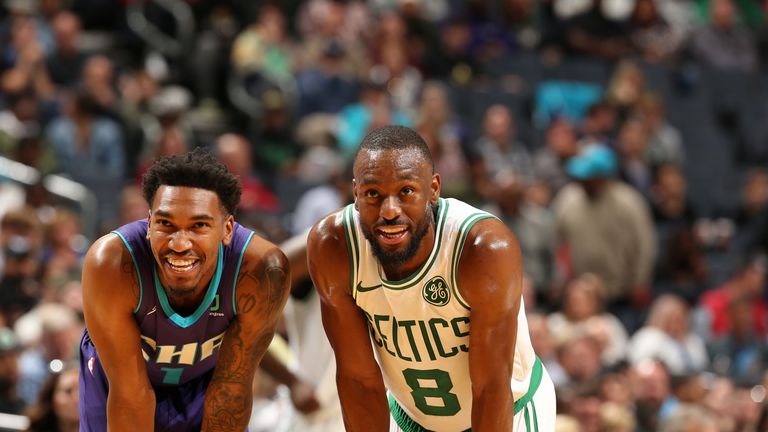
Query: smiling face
186	226
395	192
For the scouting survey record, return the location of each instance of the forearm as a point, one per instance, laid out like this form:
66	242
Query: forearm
493	408
365	408
277	369
131	412
227	406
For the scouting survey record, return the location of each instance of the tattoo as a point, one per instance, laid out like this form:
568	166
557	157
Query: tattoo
127	268
229	397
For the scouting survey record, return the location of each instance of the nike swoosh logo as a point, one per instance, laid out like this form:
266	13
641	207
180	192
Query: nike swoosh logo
154	309
360	287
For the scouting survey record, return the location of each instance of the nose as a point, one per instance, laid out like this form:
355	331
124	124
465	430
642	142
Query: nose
180	241
390	209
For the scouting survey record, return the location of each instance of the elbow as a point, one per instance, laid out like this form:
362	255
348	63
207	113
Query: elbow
139	401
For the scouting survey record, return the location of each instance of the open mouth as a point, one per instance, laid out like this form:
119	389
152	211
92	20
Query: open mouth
391	234
181	266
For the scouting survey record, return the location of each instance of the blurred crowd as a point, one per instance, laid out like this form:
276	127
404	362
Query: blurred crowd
623	142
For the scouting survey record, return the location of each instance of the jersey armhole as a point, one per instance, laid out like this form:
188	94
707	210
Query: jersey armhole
237	272
458	247
136	268
350	234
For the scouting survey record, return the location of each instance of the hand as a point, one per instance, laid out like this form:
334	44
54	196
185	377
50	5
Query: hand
303	397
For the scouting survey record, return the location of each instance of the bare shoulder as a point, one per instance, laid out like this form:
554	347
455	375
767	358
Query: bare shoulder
490	267
328	236
328	255
263	254
490	239
109	273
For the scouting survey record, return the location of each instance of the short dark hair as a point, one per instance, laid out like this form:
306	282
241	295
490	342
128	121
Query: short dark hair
392	137
197	169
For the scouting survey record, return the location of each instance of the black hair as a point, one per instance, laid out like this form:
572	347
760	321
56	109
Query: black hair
197	169
392	137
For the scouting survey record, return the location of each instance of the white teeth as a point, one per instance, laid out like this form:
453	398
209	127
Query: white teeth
181	263
392	230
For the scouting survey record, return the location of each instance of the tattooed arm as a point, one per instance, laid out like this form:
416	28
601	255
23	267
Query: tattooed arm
262	290
110	293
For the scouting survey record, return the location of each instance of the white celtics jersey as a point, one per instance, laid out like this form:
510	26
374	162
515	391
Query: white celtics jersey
420	326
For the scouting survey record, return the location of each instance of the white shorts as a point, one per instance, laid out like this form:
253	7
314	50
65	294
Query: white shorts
536	415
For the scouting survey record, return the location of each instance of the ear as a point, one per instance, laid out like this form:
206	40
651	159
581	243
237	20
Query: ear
229	229
354	193
149	222
434	188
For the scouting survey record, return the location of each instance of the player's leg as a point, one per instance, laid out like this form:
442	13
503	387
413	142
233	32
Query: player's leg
94	388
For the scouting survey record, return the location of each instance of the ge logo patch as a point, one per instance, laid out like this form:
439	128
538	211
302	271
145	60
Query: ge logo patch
436	291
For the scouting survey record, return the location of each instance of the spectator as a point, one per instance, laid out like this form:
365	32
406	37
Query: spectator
723	42
667	336
582	313
560	144
263	54
748	281
604	227
66	62
445	135
665	144
89	149
498	158
651	35
325	87
740	353
56	407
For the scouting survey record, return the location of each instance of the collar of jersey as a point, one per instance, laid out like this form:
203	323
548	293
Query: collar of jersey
413	279
187	321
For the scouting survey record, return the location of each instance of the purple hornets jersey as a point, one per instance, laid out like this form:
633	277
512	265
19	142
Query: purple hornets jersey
180	351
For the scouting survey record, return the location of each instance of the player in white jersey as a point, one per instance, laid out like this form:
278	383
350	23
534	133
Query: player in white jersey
421	301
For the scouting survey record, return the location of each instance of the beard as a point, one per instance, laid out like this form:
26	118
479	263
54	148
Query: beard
396	258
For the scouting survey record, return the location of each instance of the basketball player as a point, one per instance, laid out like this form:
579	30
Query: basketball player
421	301
179	308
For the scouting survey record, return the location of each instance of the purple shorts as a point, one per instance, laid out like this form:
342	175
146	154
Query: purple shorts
178	409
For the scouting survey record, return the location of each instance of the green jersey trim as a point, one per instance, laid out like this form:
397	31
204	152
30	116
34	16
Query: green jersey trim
213	286
350	234
135	267
407	424
418	275
464	228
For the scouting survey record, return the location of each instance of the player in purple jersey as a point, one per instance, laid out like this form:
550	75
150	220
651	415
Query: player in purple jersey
179	308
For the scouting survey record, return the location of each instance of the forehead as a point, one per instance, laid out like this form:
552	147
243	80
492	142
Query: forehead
390	165
177	200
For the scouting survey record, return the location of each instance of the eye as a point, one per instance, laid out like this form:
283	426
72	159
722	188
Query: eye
199	225
372	193
163	222
408	190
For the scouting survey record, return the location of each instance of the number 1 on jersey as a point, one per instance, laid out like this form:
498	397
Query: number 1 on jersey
415	378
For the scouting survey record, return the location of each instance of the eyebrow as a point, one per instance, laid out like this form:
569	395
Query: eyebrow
168	215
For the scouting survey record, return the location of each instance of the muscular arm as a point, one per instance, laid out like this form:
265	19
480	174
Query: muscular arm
262	290
359	381
490	279
110	293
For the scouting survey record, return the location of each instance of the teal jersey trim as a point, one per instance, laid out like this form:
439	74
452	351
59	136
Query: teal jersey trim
213	286
237	272
135	267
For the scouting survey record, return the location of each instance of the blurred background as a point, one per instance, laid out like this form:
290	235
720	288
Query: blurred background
623	141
